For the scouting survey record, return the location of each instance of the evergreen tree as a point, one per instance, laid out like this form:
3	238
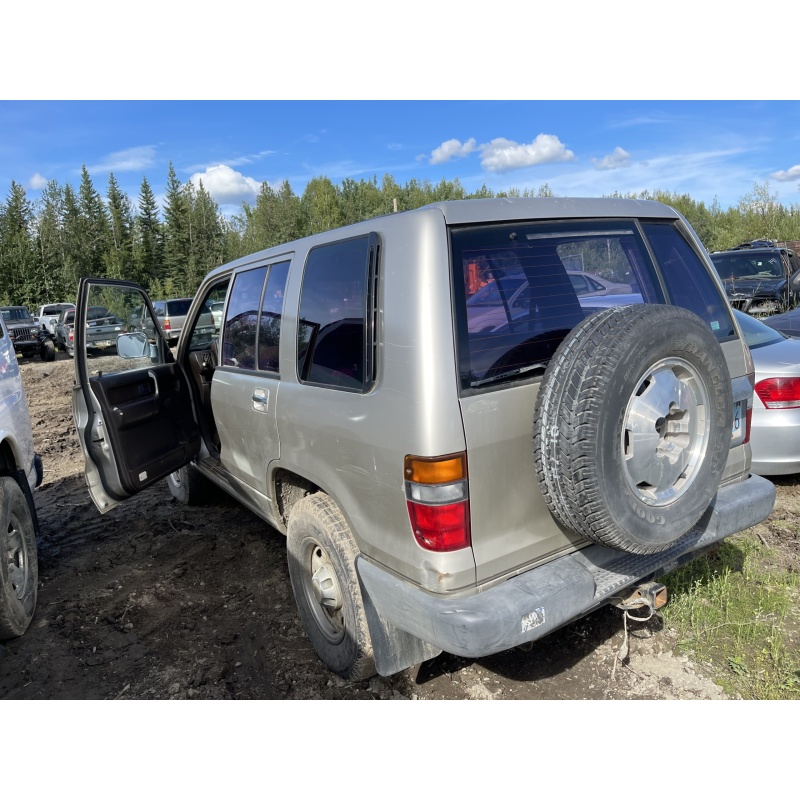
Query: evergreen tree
205	236
51	250
147	238
90	247
19	276
177	246
119	255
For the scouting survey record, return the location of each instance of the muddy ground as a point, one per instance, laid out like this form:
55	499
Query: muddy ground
157	600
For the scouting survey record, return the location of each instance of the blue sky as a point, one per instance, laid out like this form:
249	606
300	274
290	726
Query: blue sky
708	149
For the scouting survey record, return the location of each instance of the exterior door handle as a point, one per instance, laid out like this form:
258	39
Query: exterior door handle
260	400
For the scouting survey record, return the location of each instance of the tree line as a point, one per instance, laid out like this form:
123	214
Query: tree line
48	244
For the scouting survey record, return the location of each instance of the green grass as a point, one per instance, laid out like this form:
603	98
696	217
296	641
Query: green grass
736	610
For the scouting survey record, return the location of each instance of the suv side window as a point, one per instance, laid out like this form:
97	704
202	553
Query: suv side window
336	330
687	281
269	328
241	321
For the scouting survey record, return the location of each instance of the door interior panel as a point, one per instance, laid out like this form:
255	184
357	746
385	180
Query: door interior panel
149	421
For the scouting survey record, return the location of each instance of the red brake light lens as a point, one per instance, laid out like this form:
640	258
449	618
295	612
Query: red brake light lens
166	324
440	528
779	392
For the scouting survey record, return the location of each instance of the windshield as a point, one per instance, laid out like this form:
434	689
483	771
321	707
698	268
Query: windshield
16	315
755	332
744	265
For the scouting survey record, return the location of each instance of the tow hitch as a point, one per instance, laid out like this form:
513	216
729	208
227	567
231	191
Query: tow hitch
650	596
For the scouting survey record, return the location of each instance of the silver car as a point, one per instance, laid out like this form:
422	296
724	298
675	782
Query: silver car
775	427
20	474
443	488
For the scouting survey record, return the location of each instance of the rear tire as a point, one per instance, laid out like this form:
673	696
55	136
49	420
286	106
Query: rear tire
322	554
19	571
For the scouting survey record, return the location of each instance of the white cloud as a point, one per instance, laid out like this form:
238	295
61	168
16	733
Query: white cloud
451	149
503	155
131	160
791	174
226	185
37	181
616	160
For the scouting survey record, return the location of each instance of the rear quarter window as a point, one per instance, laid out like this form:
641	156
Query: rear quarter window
688	282
335	337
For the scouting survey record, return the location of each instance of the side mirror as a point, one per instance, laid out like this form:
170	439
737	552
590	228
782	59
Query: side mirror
133	345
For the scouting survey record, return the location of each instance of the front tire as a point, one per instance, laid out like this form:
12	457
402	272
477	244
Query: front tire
48	352
19	571
189	487
322	553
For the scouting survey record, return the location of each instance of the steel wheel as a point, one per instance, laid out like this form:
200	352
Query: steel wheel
18	562
324	594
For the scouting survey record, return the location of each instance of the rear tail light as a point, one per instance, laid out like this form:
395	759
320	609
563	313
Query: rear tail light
72	336
779	392
166	324
437	497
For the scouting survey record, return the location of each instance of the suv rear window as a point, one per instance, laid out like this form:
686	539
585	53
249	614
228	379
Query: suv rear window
178	308
515	287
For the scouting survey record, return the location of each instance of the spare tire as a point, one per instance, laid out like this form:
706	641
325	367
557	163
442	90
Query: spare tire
632	426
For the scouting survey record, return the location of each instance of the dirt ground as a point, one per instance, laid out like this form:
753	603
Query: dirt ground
157	600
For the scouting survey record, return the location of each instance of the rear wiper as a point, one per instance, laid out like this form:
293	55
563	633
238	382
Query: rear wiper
510	374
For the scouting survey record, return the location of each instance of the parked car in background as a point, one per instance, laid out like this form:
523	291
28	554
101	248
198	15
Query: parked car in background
760	278
20	474
788	323
102	328
65	333
444	489
775	426
170	315
28	338
216	309
504	300
48	315
587	284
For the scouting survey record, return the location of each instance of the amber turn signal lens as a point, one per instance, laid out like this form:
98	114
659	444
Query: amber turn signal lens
443	469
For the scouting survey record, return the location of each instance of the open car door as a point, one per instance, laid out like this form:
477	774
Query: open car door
131	402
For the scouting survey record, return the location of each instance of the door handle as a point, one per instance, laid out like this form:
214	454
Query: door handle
260	400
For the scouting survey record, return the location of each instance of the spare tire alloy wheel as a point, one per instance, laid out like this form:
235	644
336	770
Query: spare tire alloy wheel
632	426
18	562
322	553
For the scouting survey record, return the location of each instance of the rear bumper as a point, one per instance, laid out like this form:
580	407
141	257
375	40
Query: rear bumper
531	605
774	437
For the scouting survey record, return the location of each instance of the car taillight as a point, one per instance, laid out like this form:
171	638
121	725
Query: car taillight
166	323
437	496
779	392
72	336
